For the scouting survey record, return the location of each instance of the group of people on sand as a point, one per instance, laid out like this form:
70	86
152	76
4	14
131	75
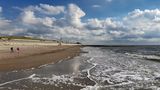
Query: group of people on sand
12	49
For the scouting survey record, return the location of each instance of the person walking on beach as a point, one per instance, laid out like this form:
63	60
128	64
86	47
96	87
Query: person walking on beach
12	50
18	49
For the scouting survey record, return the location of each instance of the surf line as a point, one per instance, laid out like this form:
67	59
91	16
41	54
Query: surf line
31	76
88	70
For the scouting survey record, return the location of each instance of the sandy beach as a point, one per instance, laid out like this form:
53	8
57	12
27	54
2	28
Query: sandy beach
33	54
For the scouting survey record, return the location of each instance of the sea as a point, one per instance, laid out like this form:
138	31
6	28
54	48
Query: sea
96	68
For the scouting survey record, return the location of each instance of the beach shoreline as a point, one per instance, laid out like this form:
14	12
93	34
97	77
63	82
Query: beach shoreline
34	55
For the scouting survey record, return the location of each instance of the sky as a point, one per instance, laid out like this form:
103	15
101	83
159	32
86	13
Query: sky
108	22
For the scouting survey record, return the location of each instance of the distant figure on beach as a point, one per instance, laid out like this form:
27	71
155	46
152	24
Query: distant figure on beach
18	49
12	50
59	44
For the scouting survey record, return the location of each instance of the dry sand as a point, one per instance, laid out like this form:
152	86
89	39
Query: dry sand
33	55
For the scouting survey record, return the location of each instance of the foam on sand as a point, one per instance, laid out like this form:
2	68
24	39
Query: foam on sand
30	77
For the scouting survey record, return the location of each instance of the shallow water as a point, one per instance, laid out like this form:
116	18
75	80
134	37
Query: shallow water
102	68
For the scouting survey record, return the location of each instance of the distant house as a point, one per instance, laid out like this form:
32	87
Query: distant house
78	43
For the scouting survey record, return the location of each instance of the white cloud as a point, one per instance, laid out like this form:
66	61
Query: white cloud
46	9
4	23
145	20
137	26
51	10
94	23
142	25
0	9
47	21
96	6
156	19
103	24
28	17
7	27
74	15
14	31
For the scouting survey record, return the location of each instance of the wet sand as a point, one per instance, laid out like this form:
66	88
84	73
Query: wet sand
32	56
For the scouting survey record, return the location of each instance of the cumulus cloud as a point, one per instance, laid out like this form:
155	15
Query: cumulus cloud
46	9
144	24
69	27
74	15
137	26
108	28
41	21
28	17
8	27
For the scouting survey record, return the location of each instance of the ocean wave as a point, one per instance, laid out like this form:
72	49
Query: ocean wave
148	57
62	81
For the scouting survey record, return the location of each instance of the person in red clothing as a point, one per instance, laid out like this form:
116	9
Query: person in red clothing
18	49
